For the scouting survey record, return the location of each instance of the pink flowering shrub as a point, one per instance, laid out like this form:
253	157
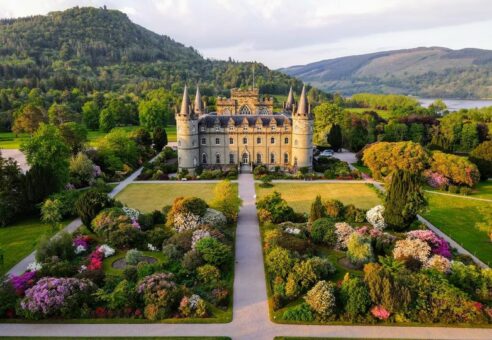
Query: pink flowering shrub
95	260
56	297
438	245
380	312
436	180
411	248
23	282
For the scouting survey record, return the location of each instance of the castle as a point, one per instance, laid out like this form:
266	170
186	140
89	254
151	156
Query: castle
245	131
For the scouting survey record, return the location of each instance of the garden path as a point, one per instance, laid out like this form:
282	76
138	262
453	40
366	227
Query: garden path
250	311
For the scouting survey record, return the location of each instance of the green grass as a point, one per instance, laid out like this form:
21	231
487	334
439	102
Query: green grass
301	195
8	140
108	262
483	190
362	168
457	217
148	197
20	239
382	113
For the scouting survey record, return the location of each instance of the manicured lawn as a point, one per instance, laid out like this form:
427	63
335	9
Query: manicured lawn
20	239
457	217
8	140
483	190
362	168
301	195
150	196
382	113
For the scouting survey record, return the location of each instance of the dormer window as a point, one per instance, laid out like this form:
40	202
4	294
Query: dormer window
217	128
273	127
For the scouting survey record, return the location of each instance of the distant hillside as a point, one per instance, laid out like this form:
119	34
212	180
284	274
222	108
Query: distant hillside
100	49
427	72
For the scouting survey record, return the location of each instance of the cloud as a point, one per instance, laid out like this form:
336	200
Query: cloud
280	31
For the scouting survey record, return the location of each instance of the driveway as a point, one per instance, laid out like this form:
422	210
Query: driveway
18	156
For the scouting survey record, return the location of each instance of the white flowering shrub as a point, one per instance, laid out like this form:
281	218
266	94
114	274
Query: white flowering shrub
34	266
321	299
186	221
375	216
214	218
151	247
292	230
198	235
411	248
439	263
132	213
80	249
106	250
343	231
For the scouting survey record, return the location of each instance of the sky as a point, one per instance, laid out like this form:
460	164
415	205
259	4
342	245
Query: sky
281	33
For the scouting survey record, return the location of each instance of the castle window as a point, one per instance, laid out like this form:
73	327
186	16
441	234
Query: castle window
286	140
217	128
204	141
286	158
202	129
272	140
217	158
245	129
217	141
231	140
245	110
231	158
245	140
273	128
263	111
258	158
258	140
204	158
272	158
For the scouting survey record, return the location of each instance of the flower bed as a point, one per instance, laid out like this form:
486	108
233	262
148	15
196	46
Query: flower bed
166	272
331	271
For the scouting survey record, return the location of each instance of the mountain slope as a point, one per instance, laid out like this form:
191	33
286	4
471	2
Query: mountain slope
432	72
102	49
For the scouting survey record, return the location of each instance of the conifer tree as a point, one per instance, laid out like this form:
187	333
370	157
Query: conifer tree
160	138
317	209
335	137
403	200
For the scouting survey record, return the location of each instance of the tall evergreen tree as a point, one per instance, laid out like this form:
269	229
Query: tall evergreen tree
318	210
335	137
403	200
160	138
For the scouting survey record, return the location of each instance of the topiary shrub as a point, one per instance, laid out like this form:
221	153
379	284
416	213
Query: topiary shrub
213	251
300	312
90	203
323	232
321	299
208	275
334	208
133	257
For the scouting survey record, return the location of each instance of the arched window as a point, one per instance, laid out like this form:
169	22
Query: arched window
245	110
286	158
258	158
263	111
217	158
245	140
272	140
286	140
204	158
258	140
231	158
272	158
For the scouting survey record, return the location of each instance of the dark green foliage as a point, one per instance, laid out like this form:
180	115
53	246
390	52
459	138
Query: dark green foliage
482	157
38	184
213	251
353	214
300	312
335	137
182	240
7	296
323	231
54	267
278	208
404	200
68	199
159	138
293	243
90	203
317	209
74	135
146	221
60	246
11	191
142	137
334	208
279	262
157	236
192	260
355	297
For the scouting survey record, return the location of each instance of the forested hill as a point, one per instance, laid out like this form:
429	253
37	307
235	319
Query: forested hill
427	72
100	49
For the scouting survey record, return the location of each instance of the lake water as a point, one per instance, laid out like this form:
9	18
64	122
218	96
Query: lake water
457	104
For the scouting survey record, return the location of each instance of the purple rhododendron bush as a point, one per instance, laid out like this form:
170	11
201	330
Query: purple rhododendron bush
132	265
333	267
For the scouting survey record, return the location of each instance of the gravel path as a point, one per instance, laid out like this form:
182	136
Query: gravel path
250	311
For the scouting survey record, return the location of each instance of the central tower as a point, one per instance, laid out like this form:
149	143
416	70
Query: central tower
187	131
302	133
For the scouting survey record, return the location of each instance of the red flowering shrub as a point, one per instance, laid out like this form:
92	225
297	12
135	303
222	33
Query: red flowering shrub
95	260
380	312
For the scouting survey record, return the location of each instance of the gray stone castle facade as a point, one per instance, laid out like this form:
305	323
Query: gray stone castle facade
245	132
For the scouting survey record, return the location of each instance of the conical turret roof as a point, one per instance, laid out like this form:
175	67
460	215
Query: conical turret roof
185	103
289	104
303	106
198	101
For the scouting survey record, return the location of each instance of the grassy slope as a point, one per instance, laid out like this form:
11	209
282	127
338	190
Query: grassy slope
19	240
457	217
149	197
8	140
301	195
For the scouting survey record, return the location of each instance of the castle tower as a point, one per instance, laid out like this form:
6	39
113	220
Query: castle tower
199	107
302	133
289	103
187	135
